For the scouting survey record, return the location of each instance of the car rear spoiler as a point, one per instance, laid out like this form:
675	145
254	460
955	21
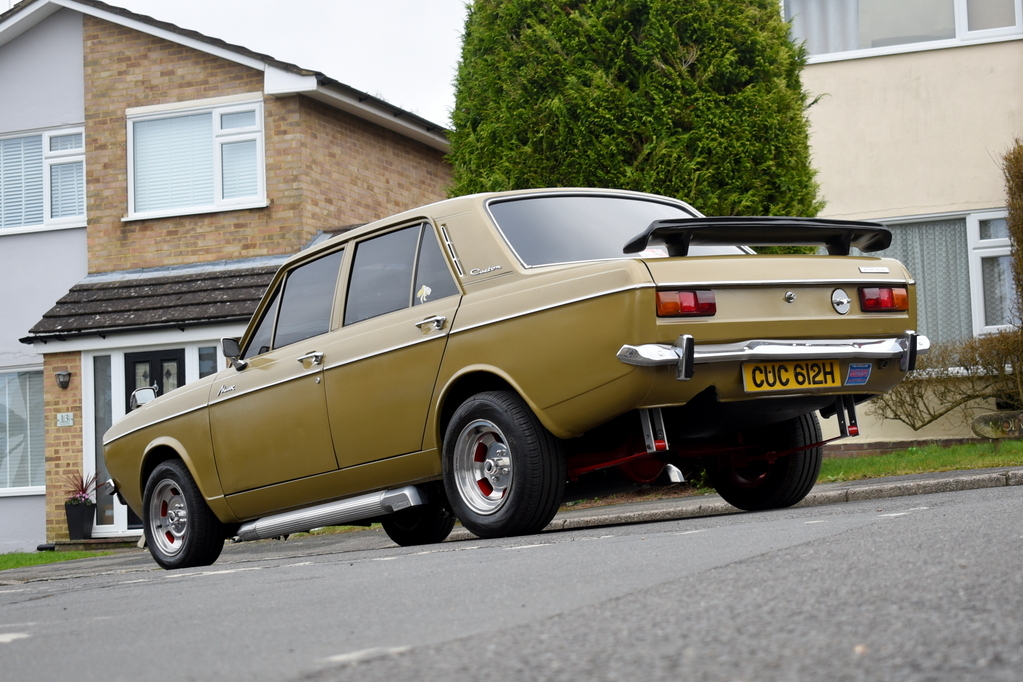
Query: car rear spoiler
677	234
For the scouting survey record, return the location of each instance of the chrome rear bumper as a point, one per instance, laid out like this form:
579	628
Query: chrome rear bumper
905	348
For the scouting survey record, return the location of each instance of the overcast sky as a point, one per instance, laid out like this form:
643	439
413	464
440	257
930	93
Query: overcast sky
403	51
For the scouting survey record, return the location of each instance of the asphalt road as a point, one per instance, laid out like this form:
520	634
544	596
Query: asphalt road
928	587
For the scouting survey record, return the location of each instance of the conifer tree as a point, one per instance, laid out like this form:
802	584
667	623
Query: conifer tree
697	99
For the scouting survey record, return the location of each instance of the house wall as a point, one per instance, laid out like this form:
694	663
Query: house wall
915	133
323	167
37	269
22	523
63	443
41	75
40	87
357	172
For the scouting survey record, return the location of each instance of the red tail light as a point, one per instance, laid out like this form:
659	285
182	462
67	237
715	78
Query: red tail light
884	299
686	303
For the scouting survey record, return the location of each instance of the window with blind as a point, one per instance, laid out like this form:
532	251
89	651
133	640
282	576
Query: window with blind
836	27
962	270
42	179
22	451
195	159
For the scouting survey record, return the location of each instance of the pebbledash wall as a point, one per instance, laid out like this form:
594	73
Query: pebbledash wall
323	168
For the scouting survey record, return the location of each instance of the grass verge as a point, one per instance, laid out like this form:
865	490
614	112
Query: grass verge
20	559
923	460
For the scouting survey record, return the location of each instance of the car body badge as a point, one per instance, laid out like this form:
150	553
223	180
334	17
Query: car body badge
423	292
859	373
879	269
483	271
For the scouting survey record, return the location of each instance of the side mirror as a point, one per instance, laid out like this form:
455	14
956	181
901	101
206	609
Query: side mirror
141	396
232	351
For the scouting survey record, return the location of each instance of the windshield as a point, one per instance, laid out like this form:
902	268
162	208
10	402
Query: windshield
549	229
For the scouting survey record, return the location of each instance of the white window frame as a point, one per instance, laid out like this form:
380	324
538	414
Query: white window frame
979	250
217	107
59	158
22	491
53	159
963	37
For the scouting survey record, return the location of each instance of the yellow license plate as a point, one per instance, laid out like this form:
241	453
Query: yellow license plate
790	376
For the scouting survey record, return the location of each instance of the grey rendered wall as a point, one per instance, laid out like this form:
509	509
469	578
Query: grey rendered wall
41	77
22	523
41	86
36	269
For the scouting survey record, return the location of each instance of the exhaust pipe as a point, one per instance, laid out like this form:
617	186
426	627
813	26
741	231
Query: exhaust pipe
332	513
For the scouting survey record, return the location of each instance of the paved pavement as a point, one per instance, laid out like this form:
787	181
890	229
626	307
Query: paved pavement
132	561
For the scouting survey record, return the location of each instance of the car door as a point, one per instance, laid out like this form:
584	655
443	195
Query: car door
269	420
382	364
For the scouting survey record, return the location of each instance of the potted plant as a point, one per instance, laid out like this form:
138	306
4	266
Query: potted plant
79	507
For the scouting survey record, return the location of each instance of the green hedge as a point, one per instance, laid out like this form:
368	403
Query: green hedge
696	99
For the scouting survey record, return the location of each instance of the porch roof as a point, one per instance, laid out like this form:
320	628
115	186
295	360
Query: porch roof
153	299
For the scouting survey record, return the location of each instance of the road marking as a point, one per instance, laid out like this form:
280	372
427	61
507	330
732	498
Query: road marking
132	582
817	521
8	637
542	544
690	532
223	572
232	570
304	563
364	654
385	558
888	516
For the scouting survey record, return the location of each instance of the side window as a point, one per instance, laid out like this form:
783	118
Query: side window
433	279
308	300
260	341
381	280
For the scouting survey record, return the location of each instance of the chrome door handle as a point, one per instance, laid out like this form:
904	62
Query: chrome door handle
315	356
437	321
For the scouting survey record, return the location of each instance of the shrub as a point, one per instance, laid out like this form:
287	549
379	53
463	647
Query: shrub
696	99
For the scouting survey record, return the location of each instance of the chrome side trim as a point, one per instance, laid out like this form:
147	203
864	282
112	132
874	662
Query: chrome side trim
359	358
787	282
332	513
631	287
654	354
148	424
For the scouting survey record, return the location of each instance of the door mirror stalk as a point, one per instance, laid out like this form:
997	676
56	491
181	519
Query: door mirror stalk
232	351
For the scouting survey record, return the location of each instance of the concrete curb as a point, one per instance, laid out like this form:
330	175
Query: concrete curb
826	493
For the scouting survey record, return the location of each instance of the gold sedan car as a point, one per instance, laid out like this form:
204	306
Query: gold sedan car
484	357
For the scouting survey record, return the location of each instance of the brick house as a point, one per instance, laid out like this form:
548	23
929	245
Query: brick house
177	172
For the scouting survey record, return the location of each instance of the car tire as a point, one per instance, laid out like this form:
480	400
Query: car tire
504	473
181	530
757	485
423	525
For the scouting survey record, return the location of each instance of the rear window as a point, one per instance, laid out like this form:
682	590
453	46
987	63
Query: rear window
545	229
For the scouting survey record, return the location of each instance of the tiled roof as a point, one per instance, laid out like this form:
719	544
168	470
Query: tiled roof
134	301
